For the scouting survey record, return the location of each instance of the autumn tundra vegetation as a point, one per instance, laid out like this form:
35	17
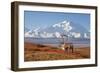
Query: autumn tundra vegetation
38	52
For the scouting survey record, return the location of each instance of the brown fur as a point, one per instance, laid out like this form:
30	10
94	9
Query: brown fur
69	47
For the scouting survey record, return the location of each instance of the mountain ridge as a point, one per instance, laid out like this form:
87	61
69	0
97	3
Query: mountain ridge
68	28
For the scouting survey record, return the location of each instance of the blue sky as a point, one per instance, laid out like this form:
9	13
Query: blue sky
35	19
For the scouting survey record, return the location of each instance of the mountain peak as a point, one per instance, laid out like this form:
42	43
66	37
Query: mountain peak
65	25
65	21
56	30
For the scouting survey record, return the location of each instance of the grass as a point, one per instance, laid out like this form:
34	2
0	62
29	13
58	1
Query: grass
34	52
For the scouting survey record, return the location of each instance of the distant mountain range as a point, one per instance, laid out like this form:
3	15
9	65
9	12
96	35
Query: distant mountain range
70	29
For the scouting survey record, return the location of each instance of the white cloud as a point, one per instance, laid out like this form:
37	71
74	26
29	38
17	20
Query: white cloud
46	35
76	34
86	35
57	35
56	25
27	34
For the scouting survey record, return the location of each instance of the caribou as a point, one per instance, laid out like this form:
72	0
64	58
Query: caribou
67	47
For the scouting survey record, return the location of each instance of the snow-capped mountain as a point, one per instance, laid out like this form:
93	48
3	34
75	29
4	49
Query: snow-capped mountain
32	33
70	29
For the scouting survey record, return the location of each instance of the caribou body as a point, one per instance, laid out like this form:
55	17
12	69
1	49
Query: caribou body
68	47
